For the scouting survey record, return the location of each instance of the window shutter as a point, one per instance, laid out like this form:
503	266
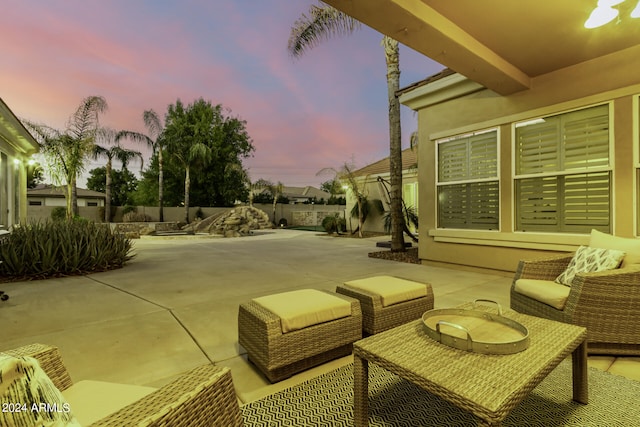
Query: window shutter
472	206
587	202
586	139
452	161
484	200
452	206
538	147
538	204
483	161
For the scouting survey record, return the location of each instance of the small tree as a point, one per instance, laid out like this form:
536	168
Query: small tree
67	151
153	140
357	188
109	148
186	134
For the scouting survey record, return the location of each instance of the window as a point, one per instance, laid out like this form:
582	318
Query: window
563	172
468	187
92	203
35	203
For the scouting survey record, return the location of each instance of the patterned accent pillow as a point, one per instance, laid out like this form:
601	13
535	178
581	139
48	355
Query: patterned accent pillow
29	398
587	259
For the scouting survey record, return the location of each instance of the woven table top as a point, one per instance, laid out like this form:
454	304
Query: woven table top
488	385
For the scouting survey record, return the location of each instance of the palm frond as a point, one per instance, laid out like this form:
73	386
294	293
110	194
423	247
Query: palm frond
153	124
322	23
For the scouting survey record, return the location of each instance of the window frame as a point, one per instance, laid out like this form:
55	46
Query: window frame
471	184
562	173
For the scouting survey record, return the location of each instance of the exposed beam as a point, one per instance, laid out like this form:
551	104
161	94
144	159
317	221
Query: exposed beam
417	25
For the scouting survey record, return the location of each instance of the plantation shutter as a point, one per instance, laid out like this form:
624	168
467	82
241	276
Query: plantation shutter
452	161
468	190
586	139
587	202
561	149
538	204
538	147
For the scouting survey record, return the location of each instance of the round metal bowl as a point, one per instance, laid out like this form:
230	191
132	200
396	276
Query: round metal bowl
476	331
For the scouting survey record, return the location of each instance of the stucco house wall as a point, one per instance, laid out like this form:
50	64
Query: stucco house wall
368	176
16	147
453	105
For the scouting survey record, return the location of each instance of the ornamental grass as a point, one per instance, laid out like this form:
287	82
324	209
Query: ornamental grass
39	250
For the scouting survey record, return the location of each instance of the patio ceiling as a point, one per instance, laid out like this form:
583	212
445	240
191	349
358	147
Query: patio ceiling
503	44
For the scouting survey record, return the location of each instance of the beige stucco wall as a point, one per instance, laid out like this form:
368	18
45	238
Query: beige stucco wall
572	88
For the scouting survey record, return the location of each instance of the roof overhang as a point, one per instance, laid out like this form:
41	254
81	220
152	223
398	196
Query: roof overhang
13	132
506	45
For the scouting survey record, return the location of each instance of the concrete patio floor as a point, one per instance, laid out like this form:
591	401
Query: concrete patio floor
175	305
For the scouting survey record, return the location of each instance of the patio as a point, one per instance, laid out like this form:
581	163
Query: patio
175	305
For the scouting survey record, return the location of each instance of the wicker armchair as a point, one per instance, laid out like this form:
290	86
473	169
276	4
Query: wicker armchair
607	303
203	396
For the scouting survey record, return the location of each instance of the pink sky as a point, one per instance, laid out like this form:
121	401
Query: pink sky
322	110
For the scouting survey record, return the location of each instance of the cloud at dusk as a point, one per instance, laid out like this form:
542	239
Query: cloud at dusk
321	110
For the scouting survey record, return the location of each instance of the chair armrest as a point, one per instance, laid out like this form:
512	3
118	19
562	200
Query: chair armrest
608	304
543	269
610	289
50	361
203	396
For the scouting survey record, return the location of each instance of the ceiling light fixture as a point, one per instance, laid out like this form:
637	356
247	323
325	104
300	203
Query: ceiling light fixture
635	13
603	13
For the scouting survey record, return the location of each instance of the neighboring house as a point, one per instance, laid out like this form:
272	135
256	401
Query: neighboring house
49	195
374	189
534	139
306	194
17	145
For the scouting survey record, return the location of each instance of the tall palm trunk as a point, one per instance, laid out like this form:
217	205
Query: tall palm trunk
107	203
73	209
392	55
187	184
160	185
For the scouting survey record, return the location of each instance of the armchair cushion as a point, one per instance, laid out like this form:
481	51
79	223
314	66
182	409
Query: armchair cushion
631	247
545	291
28	397
589	259
94	400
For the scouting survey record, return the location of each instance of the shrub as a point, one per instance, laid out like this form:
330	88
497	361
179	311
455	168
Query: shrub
128	208
135	217
59	213
334	224
60	248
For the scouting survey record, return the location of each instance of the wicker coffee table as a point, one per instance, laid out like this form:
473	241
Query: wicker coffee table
488	386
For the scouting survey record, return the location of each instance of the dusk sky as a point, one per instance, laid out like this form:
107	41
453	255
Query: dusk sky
322	110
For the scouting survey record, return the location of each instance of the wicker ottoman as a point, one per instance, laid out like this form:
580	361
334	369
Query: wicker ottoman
280	352
388	301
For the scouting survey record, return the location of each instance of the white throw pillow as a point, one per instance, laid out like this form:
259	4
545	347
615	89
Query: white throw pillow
587	260
28	397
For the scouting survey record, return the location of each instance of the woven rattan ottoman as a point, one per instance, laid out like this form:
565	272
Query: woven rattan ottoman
279	354
378	315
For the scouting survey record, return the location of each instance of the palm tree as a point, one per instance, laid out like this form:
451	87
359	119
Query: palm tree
274	189
105	138
186	134
358	188
324	22
67	151
153	140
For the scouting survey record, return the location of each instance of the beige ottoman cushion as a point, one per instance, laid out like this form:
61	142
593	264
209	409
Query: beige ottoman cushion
91	401
392	290
305	307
